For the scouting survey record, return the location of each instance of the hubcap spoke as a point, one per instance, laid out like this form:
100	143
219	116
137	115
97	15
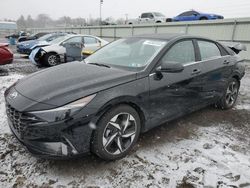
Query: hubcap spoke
115	125
110	140
119	144
126	123
128	135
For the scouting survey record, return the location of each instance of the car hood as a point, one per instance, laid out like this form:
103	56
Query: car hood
40	44
28	43
65	83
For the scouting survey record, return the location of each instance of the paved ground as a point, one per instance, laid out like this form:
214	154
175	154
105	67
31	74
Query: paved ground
209	148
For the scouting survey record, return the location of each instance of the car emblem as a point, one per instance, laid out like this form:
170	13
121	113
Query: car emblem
13	95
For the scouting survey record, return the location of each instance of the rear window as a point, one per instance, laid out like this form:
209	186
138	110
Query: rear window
208	50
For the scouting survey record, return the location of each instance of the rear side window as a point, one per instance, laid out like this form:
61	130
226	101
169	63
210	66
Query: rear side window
208	50
74	40
90	40
182	52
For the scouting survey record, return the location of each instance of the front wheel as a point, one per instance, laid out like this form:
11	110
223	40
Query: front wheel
51	59
116	133
230	95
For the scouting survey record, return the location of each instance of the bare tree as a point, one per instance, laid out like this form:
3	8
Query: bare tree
21	23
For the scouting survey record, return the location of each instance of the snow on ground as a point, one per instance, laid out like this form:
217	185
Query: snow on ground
209	148
5	82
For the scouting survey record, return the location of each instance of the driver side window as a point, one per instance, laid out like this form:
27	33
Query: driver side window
181	52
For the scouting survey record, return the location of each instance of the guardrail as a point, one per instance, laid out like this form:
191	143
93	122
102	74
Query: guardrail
235	30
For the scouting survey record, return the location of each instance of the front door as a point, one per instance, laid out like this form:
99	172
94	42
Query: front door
176	94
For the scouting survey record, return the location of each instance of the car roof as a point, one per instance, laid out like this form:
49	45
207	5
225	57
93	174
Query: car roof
163	36
169	36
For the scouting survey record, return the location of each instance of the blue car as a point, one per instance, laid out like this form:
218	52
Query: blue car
26	46
194	15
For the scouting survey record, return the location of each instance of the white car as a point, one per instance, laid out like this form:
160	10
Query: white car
149	17
65	49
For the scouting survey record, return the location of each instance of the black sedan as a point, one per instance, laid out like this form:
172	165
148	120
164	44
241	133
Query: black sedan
32	37
125	88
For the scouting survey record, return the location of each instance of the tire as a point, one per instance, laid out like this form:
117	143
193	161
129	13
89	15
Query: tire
51	59
117	132
230	95
203	18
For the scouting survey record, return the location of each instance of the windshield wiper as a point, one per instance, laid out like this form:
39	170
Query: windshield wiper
99	64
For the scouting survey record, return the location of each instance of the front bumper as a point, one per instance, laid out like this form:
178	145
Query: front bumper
59	140
24	51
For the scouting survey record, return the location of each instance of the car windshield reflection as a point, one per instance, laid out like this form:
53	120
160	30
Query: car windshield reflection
130	53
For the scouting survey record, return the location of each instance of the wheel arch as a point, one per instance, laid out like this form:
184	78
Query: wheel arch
126	100
203	17
237	77
52	52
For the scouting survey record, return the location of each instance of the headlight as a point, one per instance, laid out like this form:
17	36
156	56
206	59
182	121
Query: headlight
25	45
64	112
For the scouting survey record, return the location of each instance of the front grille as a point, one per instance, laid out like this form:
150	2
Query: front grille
20	120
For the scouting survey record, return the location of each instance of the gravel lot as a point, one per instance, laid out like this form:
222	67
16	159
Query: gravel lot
209	148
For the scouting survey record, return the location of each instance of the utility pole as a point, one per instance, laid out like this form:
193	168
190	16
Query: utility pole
126	20
101	2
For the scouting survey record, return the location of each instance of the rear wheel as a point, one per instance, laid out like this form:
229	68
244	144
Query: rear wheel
116	133
230	95
51	59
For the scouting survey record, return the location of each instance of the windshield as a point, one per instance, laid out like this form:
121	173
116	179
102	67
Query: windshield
45	37
59	39
130	53
157	14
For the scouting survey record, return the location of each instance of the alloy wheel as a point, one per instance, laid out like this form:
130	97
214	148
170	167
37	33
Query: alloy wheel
232	92
119	133
52	60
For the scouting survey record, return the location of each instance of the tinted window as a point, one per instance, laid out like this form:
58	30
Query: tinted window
182	52
146	15
90	40
188	13
208	50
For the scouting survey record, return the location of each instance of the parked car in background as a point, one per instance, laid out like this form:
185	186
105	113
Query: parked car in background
127	87
149	17
31	37
195	15
17	35
6	56
60	50
26	46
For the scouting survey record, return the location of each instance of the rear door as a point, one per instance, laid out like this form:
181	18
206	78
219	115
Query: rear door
216	65
176	94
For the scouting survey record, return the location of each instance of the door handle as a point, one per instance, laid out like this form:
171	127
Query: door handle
226	62
196	71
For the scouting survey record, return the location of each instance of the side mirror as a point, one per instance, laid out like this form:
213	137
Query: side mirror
195	14
170	67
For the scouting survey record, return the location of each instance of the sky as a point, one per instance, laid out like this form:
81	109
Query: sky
12	9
